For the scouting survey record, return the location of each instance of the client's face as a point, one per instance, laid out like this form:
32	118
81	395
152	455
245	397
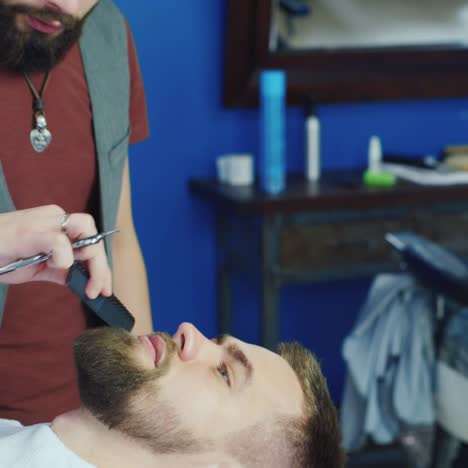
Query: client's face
184	393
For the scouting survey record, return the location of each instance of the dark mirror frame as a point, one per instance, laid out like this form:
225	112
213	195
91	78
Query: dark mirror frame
334	75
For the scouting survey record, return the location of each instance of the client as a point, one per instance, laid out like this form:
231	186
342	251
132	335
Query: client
185	401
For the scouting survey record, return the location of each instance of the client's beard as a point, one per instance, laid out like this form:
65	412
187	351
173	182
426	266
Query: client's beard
123	396
31	51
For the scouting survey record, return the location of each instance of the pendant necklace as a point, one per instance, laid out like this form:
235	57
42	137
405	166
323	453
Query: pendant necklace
40	135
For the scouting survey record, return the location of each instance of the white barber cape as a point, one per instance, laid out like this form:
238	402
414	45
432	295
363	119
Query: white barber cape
34	447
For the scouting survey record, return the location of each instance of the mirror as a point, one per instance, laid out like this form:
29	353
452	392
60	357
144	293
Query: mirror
347	50
348	24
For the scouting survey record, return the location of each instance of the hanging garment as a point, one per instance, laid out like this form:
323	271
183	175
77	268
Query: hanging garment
390	360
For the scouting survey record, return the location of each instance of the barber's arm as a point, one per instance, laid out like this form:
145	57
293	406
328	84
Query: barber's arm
25	233
129	272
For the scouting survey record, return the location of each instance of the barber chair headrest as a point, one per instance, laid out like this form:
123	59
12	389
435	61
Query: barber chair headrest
433	266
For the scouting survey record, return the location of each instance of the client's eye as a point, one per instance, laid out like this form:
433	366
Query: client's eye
224	373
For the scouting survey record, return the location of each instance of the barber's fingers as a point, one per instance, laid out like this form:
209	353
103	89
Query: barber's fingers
62	252
50	235
63	256
100	277
54	269
56	243
20	229
78	226
52	218
39	219
36	214
46	229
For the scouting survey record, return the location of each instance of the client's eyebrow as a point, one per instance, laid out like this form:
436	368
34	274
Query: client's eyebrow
237	354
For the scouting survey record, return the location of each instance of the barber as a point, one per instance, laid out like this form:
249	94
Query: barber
44	229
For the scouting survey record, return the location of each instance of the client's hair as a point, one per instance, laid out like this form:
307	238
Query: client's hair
311	440
315	438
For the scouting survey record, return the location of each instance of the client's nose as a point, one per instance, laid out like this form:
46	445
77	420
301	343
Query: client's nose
189	341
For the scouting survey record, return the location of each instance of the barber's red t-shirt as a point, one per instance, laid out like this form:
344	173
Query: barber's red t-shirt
37	374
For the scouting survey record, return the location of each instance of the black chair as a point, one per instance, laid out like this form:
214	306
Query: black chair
446	276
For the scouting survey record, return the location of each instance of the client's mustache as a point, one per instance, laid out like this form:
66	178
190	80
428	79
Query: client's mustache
47	14
171	347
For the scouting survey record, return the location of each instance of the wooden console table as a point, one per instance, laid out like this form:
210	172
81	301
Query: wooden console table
332	229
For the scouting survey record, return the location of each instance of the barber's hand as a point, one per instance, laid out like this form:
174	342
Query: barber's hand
26	233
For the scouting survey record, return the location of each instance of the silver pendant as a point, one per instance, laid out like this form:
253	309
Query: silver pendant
40	136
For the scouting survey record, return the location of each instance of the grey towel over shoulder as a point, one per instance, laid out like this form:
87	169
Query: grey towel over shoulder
390	359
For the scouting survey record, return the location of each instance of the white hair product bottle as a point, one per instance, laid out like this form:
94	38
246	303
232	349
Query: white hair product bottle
312	143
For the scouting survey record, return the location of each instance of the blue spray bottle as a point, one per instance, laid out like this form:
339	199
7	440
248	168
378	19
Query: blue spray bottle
272	169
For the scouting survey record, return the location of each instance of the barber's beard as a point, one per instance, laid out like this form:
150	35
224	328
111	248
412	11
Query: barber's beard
32	51
123	396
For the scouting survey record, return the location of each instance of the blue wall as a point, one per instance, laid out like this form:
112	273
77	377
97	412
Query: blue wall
181	53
